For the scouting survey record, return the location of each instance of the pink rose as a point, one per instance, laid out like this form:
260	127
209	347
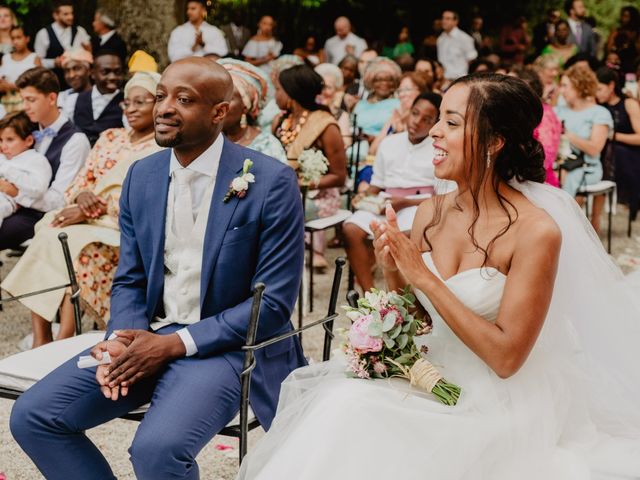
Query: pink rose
360	339
379	368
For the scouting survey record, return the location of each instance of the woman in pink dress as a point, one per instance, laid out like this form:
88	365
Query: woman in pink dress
549	131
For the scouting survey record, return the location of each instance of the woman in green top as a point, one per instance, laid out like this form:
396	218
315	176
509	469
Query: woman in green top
560	46
404	45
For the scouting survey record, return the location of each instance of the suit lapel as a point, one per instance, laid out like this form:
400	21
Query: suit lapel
156	194
220	213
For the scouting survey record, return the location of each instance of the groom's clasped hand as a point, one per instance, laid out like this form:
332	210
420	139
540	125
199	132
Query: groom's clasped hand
136	354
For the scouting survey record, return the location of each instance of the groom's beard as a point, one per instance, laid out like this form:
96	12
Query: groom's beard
169	142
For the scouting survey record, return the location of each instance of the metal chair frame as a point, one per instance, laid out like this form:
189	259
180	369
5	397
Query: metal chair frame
73	284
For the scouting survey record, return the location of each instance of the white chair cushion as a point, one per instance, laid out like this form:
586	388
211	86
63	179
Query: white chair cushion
20	371
328	222
599	187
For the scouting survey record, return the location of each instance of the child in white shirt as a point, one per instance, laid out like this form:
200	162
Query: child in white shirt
24	173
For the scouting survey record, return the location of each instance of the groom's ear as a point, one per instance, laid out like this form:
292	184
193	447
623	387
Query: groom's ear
220	110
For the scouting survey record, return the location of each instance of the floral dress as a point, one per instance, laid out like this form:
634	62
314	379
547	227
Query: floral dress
97	262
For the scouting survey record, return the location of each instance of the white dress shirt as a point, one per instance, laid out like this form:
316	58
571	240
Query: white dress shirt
42	41
335	48
67	102
183	258
30	172
105	37
455	51
73	155
184	36
401	164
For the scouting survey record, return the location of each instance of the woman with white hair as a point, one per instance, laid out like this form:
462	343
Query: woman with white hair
332	97
381	79
90	219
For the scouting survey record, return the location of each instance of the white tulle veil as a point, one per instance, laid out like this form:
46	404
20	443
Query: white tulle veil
593	324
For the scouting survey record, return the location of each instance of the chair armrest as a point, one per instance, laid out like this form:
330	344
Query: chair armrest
293	333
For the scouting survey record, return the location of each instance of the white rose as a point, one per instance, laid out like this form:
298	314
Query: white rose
239	184
249	178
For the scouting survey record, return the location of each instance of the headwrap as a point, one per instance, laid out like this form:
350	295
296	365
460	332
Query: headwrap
252	83
284	62
147	80
381	65
78	55
141	61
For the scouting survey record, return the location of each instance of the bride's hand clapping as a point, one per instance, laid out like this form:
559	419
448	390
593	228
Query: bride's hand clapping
383	257
394	248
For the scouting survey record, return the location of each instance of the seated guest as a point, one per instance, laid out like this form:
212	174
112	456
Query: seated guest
307	125
549	132
310	53
15	64
107	37
141	61
23	171
332	97
251	87
196	37
381	78
271	109
65	147
76	65
62	35
97	110
263	47
411	85
403	168
90	219
561	47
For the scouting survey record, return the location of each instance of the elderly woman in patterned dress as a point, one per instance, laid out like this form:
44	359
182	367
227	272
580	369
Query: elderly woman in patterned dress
90	220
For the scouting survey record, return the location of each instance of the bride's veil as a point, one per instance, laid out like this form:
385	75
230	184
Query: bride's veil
593	324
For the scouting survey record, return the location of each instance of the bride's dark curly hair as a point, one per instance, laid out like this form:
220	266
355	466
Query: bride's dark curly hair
506	108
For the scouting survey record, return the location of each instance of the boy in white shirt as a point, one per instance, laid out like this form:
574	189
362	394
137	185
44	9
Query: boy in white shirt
24	173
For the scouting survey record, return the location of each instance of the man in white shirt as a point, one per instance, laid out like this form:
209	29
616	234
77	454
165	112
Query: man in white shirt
53	40
76	65
57	139
403	175
455	47
196	38
193	244
344	42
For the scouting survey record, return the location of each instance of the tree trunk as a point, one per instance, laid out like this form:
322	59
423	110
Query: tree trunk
146	25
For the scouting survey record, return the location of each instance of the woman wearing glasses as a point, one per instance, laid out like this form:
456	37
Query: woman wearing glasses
90	219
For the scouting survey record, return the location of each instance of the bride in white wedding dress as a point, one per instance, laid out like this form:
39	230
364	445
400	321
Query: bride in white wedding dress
530	317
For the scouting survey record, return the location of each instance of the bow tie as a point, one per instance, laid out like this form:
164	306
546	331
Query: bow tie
39	135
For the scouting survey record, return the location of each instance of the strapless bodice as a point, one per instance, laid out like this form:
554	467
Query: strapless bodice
479	289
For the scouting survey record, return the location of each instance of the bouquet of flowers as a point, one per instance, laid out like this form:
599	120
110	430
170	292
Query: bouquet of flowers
380	343
312	166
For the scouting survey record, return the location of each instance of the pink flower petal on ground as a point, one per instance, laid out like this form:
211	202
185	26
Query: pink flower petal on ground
219	446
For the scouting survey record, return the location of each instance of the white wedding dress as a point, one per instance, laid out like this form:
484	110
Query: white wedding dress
570	413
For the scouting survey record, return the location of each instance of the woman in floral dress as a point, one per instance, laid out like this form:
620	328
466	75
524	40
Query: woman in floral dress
90	220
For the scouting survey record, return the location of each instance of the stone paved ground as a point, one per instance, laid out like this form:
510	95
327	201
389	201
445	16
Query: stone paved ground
114	438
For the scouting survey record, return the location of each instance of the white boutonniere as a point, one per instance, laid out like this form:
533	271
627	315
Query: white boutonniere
240	185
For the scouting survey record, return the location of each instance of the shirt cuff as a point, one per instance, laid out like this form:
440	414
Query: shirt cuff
187	339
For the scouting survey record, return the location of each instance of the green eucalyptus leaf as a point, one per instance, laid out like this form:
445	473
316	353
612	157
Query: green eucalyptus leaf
389	321
388	342
403	340
396	331
375	329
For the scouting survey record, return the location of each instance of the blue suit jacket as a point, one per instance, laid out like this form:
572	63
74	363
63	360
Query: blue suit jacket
259	238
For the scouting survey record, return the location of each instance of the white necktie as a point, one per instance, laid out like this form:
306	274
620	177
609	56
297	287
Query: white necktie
183	206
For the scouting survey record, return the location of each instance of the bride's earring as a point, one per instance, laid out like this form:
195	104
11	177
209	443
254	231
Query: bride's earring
243	120
488	160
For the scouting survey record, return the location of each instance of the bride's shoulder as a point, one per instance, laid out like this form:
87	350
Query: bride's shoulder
536	228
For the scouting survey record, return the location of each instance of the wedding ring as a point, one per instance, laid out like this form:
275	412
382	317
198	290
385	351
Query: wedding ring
61	218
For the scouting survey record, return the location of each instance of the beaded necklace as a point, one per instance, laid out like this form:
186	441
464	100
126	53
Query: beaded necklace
287	132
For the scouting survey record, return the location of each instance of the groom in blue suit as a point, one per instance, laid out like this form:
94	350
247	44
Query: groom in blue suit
201	223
